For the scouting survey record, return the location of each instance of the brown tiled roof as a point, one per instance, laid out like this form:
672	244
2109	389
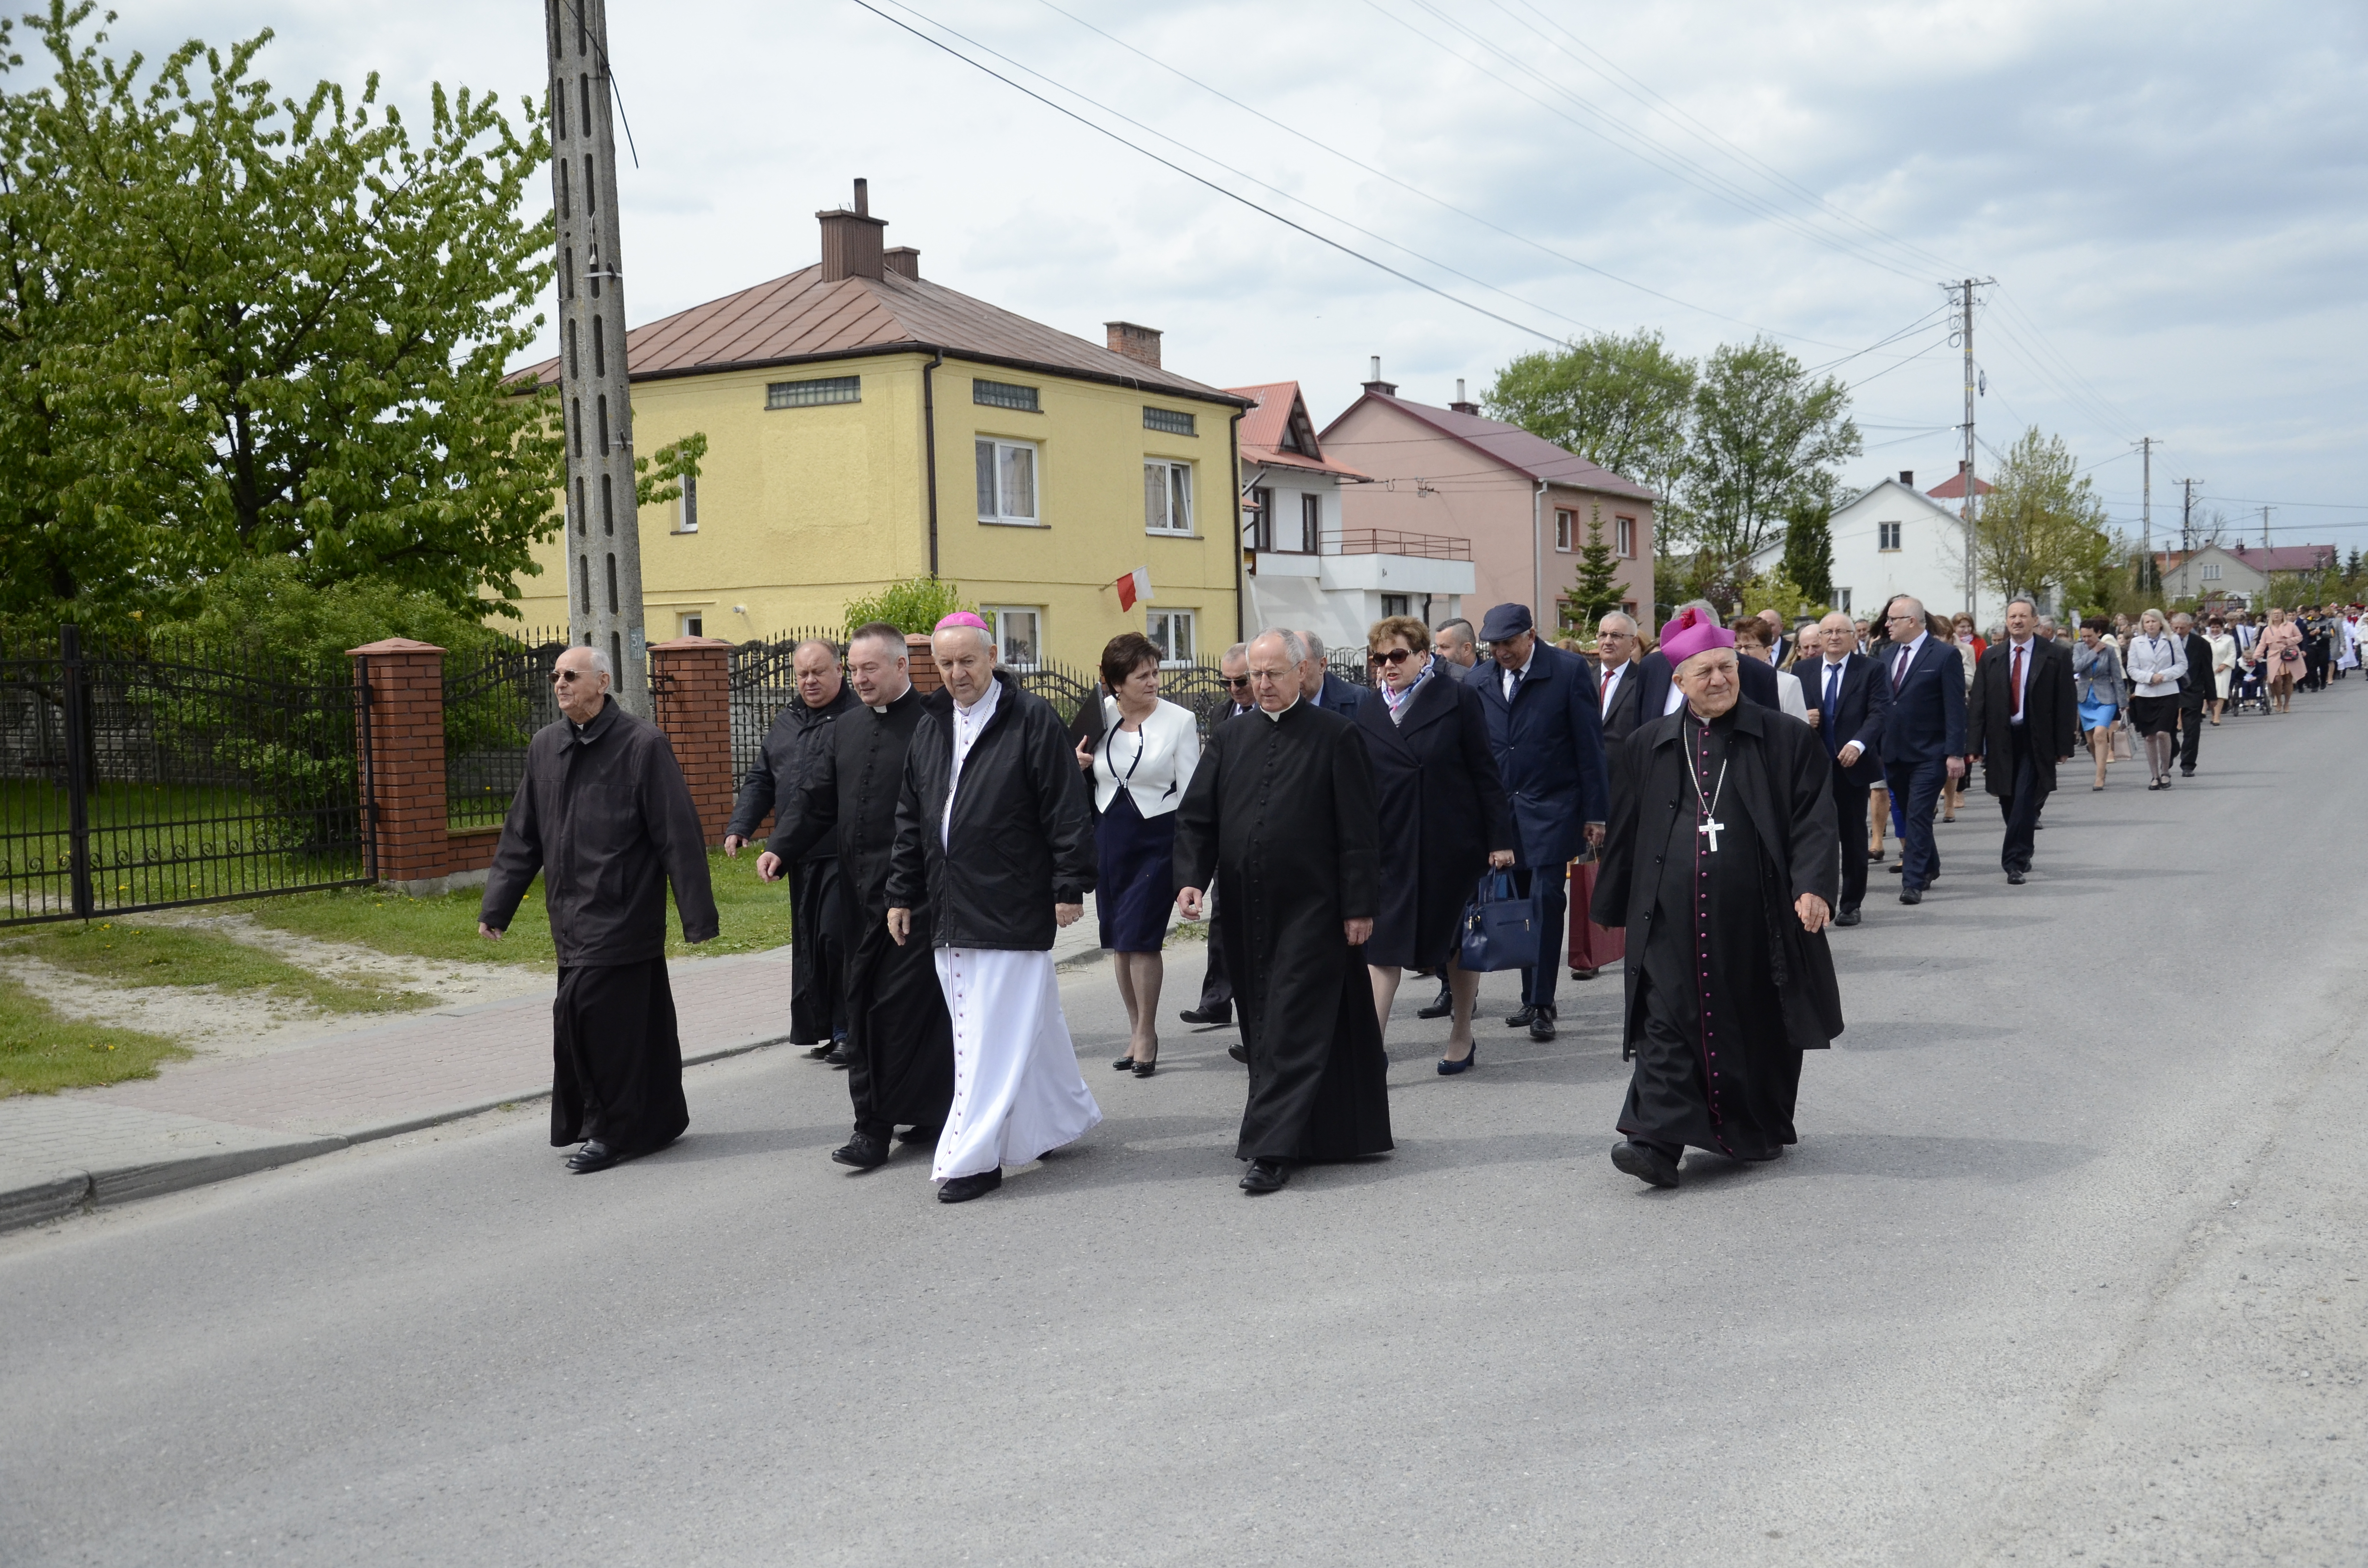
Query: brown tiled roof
1278	409
800	319
1531	456
1954	487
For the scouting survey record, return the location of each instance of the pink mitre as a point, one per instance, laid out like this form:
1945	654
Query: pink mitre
1693	633
965	618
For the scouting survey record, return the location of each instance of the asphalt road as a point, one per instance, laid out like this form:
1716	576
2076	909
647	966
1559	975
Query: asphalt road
2068	1267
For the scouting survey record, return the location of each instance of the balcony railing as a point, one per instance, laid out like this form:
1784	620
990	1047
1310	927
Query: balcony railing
1388	541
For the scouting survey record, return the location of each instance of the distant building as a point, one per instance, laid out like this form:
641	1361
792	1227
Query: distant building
1893	538
1519	504
2234	572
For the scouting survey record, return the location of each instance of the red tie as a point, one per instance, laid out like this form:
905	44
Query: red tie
1899	669
2018	683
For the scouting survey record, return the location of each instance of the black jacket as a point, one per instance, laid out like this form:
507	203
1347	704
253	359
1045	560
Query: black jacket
2050	713
793	746
604	814
1441	808
2200	685
1626	715
1859	715
1023	835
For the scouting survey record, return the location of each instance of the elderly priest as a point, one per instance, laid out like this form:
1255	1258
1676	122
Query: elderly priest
1280	810
1721	863
994	836
604	814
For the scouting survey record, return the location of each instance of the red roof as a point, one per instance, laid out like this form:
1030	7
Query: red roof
1278	416
1533	457
2284	557
1954	487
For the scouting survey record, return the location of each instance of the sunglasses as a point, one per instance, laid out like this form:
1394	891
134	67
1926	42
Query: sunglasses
1236	682
1394	656
560	678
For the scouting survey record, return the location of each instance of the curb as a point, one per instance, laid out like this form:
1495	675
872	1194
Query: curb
58	1196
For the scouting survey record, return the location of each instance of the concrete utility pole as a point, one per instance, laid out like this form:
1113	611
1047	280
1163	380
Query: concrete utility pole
1964	294
2187	514
2146	445
603	524
2265	528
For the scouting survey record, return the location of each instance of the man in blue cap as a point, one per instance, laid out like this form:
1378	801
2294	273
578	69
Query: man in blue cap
1546	724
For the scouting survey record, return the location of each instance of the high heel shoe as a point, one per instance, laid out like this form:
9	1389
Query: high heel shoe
1125	1063
1145	1068
1448	1068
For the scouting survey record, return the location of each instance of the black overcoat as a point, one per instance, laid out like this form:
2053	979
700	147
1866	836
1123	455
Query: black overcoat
1442	809
2051	713
793	748
1787	788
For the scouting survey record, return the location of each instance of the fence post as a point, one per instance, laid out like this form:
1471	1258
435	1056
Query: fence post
402	683
690	691
75	690
922	663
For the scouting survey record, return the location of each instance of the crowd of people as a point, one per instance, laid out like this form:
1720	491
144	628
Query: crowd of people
1723	788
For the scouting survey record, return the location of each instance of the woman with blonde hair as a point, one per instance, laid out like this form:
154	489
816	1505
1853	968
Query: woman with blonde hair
2155	663
2280	651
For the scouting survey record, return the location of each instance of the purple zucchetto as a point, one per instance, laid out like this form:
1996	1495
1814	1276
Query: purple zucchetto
1693	633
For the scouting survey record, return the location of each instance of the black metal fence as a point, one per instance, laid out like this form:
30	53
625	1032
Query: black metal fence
494	702
167	774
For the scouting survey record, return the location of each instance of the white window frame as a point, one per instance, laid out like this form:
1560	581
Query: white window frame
1311	522
2211	571
686	506
690	623
1888	536
1565	525
994	616
1169	470
994	510
1623	538
1189	621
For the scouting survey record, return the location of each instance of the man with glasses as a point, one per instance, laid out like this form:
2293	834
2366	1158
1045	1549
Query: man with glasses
1923	735
1216	1008
1849	700
604	814
1622	694
1282	811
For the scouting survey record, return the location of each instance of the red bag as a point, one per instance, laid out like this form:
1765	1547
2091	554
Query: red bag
1591	946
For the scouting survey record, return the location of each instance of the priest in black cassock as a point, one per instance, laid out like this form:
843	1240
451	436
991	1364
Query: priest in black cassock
1723	865
1281	812
818	904
604	814
900	1042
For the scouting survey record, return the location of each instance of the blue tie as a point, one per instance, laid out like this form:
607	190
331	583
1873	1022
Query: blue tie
1833	702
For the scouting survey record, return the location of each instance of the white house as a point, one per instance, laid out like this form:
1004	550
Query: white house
1894	539
1305	571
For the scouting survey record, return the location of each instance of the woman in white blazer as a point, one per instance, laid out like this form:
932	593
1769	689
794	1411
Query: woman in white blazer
1141	764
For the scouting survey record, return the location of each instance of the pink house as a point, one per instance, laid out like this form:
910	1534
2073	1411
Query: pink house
1524	504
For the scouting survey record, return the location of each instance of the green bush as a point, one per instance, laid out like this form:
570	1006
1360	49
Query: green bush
917	604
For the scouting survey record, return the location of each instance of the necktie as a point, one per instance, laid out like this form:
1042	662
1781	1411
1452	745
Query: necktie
2018	682
1833	704
1610	684
1899	668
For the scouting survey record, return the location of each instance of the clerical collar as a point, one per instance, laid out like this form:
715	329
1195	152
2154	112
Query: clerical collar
1723	722
592	729
1275	717
979	712
883	706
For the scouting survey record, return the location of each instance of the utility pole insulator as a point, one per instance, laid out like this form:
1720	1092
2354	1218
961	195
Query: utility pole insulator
604	535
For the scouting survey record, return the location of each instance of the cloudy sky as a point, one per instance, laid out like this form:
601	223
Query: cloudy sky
2173	198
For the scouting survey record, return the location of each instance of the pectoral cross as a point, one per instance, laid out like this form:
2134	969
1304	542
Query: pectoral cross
1711	828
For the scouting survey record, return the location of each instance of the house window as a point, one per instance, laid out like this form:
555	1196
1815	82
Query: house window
1628	609
691	623
1168	420
1006	482
1623	538
1170	631
1311	524
807	394
1396	604
2211	571
1260	531
1886	536
1019	634
1167	497
1842	600
686	506
1563	523
1003	395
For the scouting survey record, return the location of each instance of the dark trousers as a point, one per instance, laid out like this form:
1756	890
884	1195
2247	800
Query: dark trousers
1849	816
1551	885
1914	790
1217	984
2020	809
2191	734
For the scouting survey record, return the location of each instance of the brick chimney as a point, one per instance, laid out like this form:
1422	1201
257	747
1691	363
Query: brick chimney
1140	344
903	260
851	240
1908	477
1375	384
1463	404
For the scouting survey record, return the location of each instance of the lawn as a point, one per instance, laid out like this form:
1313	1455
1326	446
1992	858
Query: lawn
754	917
145	955
41	1052
160	844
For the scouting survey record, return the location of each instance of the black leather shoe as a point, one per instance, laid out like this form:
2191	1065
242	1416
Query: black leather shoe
1911	895
863	1152
1240	1053
1585	973
919	1134
1444	1007
1645	1162
1541	1023
1894	870
1266	1175
1125	1063
1207	1017
816	1052
2186	773
594	1156
1145	1068
2014	879
1847	918
838	1057
962	1189
1521	1017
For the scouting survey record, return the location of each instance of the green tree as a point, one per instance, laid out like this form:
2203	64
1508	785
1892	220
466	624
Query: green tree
917	604
1808	559
1621	402
1766	441
243	327
1595	593
2041	525
1778	591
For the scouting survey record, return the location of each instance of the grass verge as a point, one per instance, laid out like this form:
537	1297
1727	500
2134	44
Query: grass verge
143	955
754	917
41	1052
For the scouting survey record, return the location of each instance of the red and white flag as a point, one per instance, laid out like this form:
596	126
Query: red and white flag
1133	588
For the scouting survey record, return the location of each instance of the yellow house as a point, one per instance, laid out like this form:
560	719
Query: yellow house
865	424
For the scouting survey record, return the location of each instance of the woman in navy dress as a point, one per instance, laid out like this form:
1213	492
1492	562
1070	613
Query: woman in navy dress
1444	819
1140	762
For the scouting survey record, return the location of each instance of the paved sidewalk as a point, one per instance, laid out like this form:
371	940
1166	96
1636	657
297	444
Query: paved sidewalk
220	1116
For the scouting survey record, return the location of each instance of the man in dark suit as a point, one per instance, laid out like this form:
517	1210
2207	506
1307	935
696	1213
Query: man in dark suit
1319	686
1546	729
1620	692
1923	735
2024	719
2197	689
1848	701
1216	986
1659	697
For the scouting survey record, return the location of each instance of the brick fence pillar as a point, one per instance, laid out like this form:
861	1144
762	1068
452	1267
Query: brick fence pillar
690	685
404	781
923	664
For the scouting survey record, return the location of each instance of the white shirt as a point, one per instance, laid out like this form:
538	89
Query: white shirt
968	723
1506	677
1612	678
2030	651
1900	661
